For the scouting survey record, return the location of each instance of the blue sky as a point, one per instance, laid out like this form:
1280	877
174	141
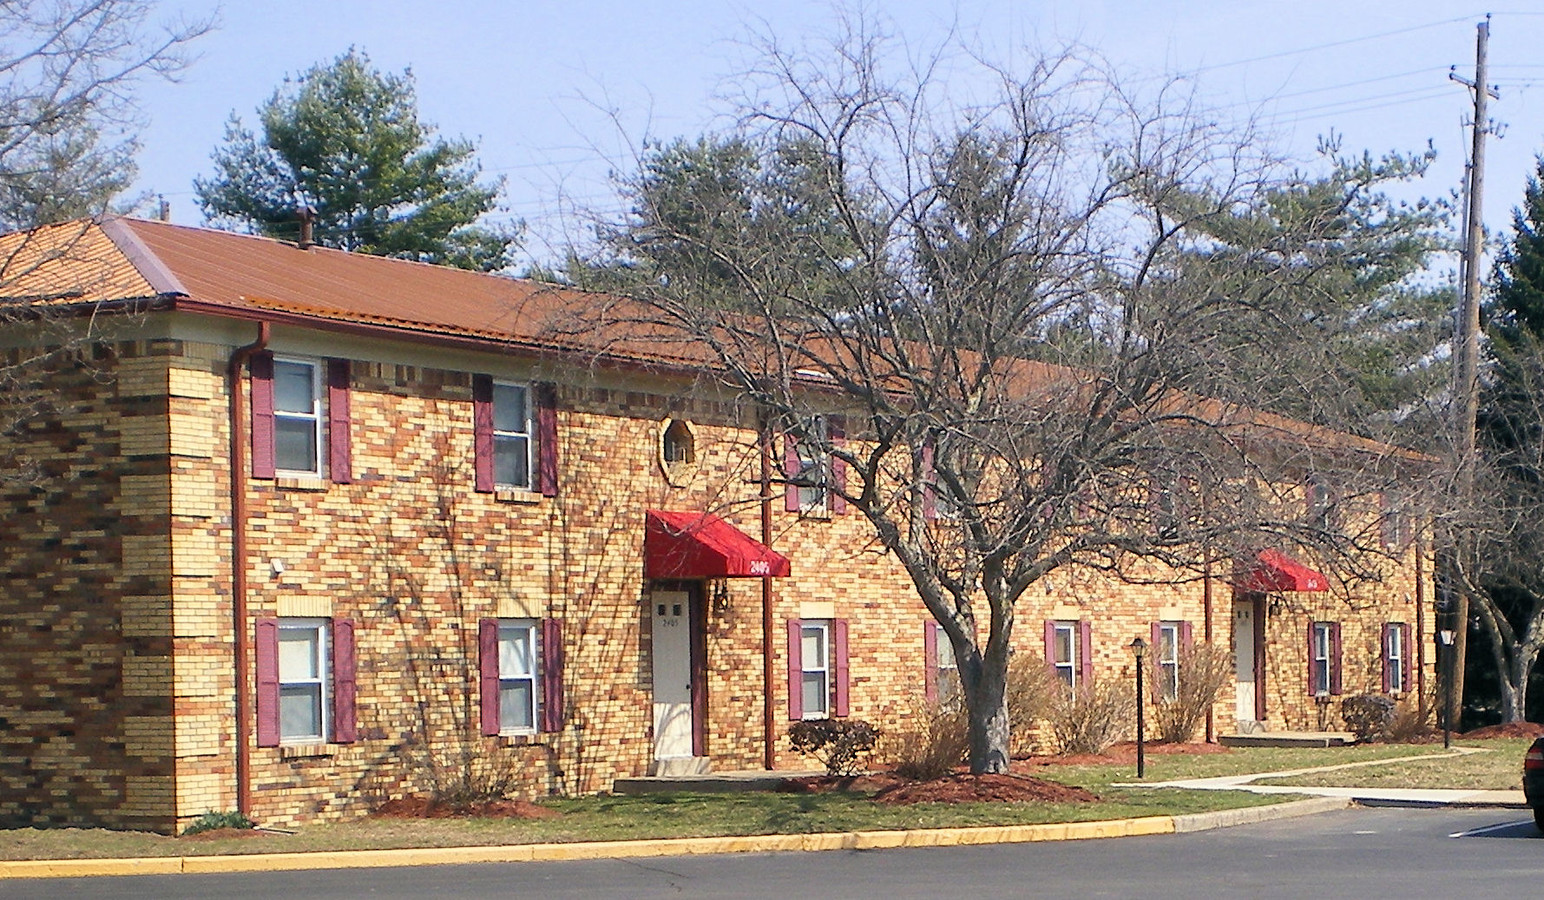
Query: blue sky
557	93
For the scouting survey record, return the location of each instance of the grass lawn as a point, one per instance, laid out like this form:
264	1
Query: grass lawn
1500	768
604	818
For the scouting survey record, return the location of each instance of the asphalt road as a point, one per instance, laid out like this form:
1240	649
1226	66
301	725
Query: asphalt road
1362	853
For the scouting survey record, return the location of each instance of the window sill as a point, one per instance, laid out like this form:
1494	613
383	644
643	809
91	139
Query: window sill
521	739
516	495
300	483
815	515
304	751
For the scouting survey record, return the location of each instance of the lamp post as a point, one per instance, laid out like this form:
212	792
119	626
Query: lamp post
1139	648
1446	637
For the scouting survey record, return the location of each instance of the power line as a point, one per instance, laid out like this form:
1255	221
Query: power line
1329	44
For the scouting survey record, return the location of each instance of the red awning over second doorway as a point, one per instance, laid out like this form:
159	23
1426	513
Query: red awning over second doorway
701	545
1276	571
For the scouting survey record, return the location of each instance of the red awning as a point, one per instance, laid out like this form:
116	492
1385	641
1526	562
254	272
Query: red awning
1276	571
700	545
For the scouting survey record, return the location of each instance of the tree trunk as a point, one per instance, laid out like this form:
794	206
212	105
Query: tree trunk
987	707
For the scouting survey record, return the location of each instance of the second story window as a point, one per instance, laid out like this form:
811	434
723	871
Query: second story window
297	416
808	467
511	436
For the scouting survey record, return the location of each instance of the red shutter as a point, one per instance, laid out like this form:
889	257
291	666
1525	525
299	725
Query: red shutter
1407	656
1187	637
1086	650
839	641
547	439
482	433
1388	662
795	671
261	367
790	473
837	428
340	460
551	675
1157	638
930	659
1335	658
1050	646
344	725
929	480
488	673
267	653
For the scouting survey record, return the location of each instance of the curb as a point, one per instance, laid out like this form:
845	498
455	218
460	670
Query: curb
850	840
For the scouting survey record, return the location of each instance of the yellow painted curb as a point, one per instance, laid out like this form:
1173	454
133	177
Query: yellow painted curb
430	856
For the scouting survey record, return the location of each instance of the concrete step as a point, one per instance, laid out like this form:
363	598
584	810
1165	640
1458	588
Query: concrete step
715	783
1288	739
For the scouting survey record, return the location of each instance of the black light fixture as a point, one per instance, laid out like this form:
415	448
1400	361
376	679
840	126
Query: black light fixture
1139	649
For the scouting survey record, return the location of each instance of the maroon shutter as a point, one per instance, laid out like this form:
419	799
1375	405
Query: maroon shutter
790	473
1187	637
267	653
488	673
482	432
1157	636
795	671
1335	658
930	659
1050	646
340	459
839	642
344	724
929	480
1406	656
551	675
837	428
1388	660
261	367
1312	668
1086	650
547	439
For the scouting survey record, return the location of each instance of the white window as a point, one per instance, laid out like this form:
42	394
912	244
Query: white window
297	416
948	673
511	435
1064	652
814	475
517	676
1395	642
815	660
1323	654
1166	659
303	690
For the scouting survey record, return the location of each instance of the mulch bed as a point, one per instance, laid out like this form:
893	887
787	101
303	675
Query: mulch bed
428	808
1508	730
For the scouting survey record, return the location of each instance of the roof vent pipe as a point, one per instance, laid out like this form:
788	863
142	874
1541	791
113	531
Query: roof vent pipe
307	216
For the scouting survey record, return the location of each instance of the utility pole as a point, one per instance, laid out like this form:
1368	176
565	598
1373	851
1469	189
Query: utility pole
1466	386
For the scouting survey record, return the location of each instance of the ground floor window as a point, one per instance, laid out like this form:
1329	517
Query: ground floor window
1069	651
1323	658
1396	657
1166	659
517	676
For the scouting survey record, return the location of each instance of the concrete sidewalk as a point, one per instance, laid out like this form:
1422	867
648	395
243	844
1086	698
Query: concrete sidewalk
1371	796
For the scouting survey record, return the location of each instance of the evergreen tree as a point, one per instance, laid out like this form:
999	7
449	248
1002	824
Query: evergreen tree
346	140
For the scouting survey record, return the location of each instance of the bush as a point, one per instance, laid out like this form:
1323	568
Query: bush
1091	718
839	743
211	820
1032	692
937	743
1412	720
1368	716
1205	671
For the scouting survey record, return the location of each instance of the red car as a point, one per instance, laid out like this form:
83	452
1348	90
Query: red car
1533	780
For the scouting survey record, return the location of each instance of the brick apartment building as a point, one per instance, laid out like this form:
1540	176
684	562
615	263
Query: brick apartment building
313	530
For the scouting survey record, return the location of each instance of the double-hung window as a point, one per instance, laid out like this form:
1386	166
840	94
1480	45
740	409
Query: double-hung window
511	435
1166	659
518	696
815	667
304	693
297	416
1064	652
1396	657
807	466
1323	658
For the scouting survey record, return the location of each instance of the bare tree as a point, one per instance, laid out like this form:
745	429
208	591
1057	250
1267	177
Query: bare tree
1016	316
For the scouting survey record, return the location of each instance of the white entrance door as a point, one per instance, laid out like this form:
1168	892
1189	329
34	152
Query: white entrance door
672	675
1243	664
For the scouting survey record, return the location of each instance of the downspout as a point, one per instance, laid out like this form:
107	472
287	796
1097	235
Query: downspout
768	727
238	456
1420	631
1206	616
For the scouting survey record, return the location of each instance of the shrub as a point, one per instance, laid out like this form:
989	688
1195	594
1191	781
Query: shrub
212	820
1032	692
1412	720
934	746
1368	716
1205	671
839	743
1091	718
